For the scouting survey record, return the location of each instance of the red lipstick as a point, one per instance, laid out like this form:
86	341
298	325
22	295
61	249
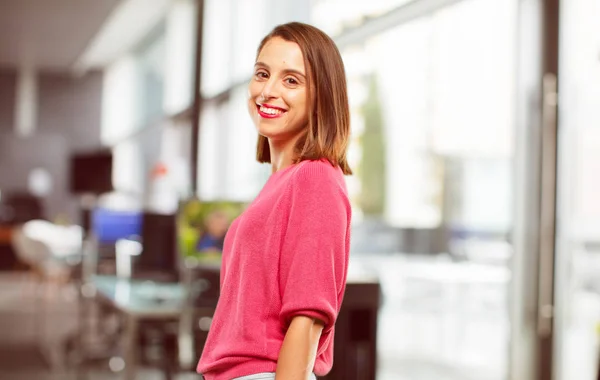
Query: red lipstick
268	115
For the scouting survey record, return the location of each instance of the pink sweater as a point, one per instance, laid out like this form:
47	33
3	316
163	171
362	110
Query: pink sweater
286	255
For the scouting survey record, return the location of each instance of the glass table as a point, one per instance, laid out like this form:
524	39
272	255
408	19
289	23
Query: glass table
138	300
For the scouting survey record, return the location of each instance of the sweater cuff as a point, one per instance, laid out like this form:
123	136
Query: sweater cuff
314	314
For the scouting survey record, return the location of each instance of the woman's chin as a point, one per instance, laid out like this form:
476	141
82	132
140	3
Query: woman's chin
268	131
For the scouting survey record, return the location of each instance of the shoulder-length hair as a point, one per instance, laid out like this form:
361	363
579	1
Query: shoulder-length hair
328	133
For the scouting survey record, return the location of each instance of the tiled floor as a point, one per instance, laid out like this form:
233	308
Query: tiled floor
432	326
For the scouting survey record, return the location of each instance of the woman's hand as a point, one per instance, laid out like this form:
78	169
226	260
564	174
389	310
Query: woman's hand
299	349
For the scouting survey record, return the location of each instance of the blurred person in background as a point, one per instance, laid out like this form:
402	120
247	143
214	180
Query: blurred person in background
285	259
213	231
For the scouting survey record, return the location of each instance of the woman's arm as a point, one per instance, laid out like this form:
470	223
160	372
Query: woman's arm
299	349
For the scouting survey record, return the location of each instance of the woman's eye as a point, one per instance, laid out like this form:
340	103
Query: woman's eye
261	74
291	81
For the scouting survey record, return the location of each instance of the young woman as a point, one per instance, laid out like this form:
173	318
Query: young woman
285	258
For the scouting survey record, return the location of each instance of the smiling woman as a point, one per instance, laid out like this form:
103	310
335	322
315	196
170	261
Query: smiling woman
285	259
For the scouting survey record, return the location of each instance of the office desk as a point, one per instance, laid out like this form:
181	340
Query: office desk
141	298
138	300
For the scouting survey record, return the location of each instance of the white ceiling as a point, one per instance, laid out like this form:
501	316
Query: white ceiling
49	34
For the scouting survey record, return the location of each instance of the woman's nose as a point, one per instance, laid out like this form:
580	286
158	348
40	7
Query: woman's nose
269	90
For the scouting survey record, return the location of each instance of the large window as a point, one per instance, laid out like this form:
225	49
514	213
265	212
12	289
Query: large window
432	119
333	16
143	90
228	168
432	148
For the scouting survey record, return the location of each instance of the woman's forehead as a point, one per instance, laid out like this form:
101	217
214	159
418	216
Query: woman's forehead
279	54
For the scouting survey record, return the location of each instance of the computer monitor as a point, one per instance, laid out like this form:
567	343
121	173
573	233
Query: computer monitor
202	226
159	258
111	225
91	173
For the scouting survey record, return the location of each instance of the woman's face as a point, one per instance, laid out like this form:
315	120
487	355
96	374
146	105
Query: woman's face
278	91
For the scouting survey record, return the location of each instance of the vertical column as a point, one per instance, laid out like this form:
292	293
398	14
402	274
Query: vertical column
27	102
532	297
197	101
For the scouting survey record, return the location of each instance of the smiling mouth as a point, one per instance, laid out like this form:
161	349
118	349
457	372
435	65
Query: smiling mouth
269	112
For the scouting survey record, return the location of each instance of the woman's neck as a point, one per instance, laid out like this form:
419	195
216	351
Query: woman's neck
282	154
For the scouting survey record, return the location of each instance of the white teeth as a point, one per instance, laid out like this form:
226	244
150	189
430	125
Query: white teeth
270	111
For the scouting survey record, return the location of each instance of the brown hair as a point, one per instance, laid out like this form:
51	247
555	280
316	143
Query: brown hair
328	132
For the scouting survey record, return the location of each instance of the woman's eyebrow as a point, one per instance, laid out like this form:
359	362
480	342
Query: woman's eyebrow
287	71
293	71
261	64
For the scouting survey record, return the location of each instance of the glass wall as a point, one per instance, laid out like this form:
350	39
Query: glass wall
433	148
577	285
144	91
424	99
333	16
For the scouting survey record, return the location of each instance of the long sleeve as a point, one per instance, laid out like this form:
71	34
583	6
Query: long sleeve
314	255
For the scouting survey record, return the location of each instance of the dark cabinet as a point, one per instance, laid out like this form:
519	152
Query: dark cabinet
355	341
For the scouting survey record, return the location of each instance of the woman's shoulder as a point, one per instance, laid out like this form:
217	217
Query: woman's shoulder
317	169
311	173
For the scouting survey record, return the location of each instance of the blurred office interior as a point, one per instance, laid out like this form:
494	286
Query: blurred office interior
475	146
